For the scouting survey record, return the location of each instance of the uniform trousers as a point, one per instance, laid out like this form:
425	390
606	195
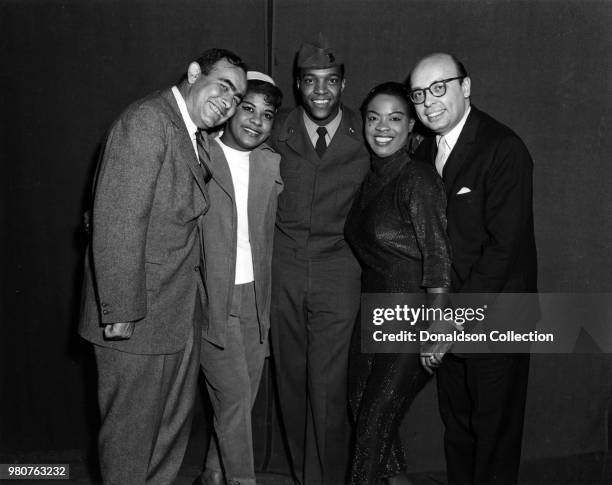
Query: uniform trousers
482	404
314	308
232	376
146	404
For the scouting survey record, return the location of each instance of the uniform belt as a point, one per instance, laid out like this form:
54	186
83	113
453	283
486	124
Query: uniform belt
307	254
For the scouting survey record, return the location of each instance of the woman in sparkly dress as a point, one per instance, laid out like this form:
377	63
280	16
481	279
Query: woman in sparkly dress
397	229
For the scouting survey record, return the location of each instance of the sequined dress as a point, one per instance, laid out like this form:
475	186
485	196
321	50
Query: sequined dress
397	229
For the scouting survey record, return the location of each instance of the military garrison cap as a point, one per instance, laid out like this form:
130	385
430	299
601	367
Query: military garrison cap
316	55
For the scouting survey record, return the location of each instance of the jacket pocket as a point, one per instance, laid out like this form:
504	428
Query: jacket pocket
153	275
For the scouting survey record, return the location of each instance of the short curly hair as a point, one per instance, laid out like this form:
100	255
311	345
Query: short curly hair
272	94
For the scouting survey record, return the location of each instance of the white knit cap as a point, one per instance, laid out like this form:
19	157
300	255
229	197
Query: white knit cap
259	76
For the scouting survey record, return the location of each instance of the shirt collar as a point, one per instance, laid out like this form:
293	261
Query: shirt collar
332	126
237	153
191	126
452	136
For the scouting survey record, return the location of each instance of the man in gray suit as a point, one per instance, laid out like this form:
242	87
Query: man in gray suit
143	289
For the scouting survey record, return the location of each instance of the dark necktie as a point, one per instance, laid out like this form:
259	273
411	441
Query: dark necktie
321	146
202	144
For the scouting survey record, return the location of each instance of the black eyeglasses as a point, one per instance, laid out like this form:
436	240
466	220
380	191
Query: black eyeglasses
437	89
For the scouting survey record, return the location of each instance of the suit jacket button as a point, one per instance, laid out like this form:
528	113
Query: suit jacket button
351	131
105	312
196	268
104	305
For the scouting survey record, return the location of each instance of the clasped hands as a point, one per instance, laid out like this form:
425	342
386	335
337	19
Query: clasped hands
432	353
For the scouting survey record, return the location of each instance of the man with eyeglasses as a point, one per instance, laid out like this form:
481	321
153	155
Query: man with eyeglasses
487	172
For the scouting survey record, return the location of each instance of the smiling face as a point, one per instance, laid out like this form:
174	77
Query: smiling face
251	125
212	99
444	113
320	90
387	124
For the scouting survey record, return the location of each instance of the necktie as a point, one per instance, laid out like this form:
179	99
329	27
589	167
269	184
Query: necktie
202	144
442	155
321	145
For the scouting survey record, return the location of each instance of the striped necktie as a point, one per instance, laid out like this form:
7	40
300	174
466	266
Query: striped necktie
203	154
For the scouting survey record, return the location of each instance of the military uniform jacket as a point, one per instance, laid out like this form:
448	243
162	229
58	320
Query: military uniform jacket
318	193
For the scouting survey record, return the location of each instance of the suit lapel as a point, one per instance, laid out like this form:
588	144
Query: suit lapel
261	183
220	169
426	151
461	151
185	145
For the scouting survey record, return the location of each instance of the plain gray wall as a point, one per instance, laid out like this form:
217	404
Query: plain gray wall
69	67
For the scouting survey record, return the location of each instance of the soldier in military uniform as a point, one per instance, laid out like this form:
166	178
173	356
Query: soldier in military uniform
315	277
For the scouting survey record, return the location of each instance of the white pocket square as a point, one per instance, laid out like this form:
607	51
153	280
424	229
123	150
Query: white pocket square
464	190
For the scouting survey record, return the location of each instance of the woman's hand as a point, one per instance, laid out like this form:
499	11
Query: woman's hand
431	361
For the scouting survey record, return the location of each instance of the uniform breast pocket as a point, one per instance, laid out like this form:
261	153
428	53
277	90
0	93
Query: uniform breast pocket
292	196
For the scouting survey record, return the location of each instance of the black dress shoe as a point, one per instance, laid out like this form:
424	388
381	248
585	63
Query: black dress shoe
210	477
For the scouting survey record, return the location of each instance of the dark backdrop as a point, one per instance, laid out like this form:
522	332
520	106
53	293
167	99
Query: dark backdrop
70	67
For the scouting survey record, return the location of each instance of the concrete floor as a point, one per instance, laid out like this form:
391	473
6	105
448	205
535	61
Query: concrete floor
591	469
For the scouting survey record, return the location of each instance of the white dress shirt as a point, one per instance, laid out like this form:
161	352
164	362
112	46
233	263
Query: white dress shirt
332	127
189	124
452	136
